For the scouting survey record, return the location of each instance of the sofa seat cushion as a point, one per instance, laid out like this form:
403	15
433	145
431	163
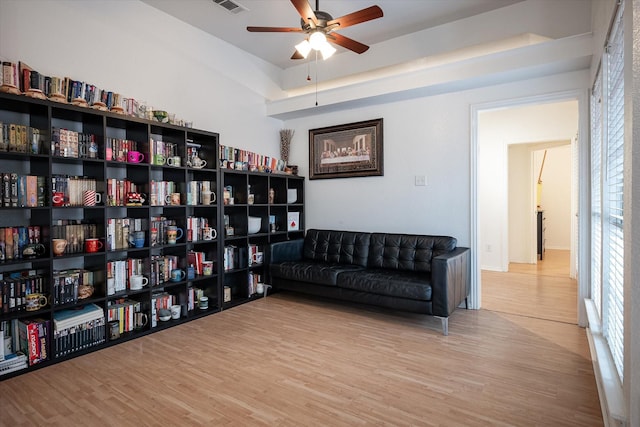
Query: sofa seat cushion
319	273
394	283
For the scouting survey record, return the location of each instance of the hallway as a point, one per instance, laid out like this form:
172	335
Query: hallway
543	290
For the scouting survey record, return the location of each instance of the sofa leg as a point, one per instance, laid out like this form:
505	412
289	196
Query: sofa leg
466	303
445	324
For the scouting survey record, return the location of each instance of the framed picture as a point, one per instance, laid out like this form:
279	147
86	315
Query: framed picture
346	151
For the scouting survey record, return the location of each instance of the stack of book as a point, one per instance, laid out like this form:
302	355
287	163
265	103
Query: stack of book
77	329
13	362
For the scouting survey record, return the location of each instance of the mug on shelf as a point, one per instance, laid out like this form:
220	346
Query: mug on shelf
174	234
58	246
175	199
159	159
141	320
58	198
207	268
91	198
174	161
198	163
136	239
137	282
178	275
35	302
209	233
208	197
135	156
257	257
93	245
176	309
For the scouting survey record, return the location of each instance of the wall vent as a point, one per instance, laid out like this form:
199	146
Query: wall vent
231	6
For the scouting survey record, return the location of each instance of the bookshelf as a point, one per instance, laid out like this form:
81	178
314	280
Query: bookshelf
58	158
255	208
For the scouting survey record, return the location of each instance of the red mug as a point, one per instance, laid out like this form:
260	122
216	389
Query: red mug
58	198
93	245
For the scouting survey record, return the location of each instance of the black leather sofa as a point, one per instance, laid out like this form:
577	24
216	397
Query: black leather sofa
416	273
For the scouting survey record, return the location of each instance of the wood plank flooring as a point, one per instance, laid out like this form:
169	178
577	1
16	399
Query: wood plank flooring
543	290
289	360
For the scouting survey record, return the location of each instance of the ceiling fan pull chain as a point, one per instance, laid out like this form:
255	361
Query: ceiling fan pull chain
316	77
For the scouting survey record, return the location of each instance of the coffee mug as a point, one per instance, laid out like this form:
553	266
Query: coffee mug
33	250
257	257
209	233
175	198
175	311
141	320
59	246
159	159
174	161
93	245
174	234
208	197
135	157
260	288
35	302
91	198
207	268
58	198
203	304
136	239
178	275
137	282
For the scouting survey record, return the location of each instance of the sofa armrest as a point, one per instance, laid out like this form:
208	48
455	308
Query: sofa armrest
450	280
290	250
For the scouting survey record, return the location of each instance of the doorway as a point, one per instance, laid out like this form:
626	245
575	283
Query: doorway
536	120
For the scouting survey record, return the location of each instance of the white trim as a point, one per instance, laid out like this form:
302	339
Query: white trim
607	380
583	250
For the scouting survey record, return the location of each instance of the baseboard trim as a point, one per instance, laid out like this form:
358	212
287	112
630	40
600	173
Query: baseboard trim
607	380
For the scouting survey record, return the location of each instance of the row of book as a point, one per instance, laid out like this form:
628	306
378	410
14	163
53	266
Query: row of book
20	191
16	285
196	259
119	190
66	284
119	230
158	301
14	241
119	272
76	145
72	188
236	158
78	329
196	191
118	149
159	226
160	192
16	138
196	227
162	150
252	283
123	311
75	232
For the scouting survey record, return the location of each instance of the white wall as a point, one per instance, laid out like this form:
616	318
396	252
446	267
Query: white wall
496	130
556	197
134	49
522	231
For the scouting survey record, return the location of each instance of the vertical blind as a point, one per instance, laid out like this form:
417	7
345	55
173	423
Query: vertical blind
612	167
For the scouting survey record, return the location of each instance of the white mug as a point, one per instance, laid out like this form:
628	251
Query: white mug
137	282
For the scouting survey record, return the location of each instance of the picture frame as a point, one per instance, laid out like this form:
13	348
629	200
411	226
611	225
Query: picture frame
346	151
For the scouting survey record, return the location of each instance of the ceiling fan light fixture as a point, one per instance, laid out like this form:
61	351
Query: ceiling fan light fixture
317	40
327	51
304	47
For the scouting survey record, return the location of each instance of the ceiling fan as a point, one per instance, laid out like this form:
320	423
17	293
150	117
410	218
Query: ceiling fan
320	28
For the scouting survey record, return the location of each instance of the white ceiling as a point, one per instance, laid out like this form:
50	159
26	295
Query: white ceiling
401	17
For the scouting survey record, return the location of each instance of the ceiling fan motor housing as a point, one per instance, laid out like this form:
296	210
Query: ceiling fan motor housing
322	18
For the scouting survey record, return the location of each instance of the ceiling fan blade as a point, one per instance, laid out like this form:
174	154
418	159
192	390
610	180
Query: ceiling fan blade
305	11
297	55
348	43
274	29
364	15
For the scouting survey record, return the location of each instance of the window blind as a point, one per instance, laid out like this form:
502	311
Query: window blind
613	299
596	194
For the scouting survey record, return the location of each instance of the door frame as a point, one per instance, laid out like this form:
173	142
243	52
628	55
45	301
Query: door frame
583	238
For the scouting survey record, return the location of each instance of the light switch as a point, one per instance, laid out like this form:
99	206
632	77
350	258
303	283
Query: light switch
421	180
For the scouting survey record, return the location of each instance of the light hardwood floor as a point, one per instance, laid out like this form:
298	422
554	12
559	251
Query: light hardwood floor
288	360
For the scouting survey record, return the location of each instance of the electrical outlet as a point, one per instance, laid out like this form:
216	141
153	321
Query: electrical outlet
421	180
489	248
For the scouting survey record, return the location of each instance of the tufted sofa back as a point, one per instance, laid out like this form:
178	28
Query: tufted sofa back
376	250
407	251
340	247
